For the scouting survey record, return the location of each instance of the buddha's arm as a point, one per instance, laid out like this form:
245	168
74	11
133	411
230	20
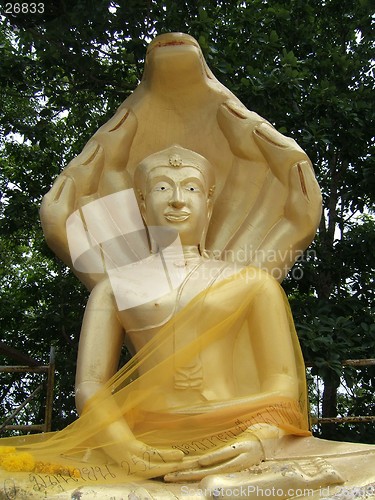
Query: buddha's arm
272	343
270	336
269	329
100	345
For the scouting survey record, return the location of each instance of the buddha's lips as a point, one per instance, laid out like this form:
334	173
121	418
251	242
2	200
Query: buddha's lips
177	216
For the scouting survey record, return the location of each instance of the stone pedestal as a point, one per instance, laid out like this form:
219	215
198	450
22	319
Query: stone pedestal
301	468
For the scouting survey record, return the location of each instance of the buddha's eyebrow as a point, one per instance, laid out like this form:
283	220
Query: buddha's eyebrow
158	178
186	180
194	180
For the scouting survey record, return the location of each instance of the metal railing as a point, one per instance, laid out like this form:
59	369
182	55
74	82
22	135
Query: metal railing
50	371
32	367
356	363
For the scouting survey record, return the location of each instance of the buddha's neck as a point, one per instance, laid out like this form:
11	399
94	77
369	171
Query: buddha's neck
191	253
191	256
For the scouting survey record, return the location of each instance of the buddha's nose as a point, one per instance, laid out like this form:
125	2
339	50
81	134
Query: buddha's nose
177	199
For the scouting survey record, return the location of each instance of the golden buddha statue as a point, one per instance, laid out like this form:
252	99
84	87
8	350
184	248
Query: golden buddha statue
175	190
181	215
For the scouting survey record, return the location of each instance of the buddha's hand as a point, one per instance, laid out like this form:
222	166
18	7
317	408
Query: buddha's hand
97	171
245	452
114	438
140	460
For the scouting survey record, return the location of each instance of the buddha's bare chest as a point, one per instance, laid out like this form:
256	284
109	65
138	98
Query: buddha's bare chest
151	315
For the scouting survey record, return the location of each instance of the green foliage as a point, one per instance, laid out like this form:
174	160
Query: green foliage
306	66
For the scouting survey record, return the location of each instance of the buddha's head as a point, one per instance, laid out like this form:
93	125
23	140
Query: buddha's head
175	188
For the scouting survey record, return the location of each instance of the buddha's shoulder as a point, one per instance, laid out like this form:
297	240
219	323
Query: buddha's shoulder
103	288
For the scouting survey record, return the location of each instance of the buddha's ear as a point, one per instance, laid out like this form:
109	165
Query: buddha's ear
141	205
142	209
202	243
210	206
210	202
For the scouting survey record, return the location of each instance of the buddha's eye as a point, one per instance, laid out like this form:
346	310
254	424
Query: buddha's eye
161	187
192	189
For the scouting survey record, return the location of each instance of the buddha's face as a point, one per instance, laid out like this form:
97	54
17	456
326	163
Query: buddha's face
178	198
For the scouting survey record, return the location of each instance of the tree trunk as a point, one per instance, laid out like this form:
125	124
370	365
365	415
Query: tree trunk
329	404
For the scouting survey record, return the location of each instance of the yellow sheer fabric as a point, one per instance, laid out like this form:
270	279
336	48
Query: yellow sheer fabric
139	394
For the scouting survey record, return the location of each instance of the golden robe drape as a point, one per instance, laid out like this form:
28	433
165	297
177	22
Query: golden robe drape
76	453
